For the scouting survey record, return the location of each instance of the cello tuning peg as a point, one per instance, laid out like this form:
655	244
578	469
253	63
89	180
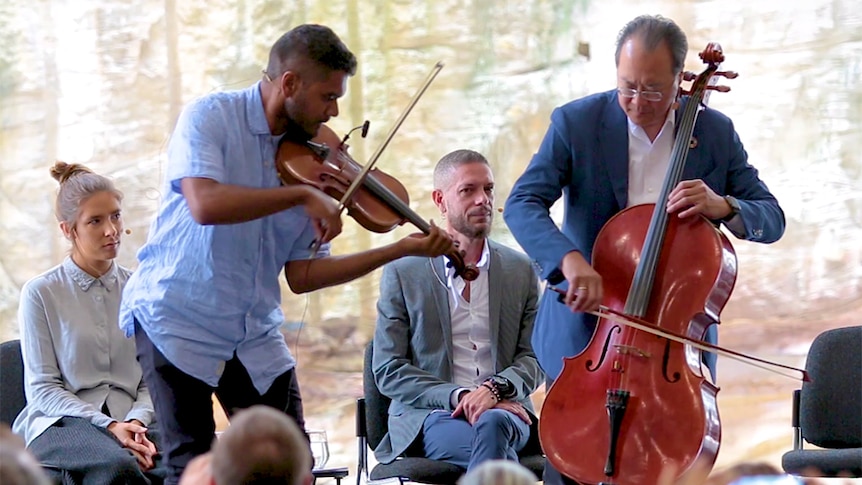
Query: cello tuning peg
689	76
727	74
721	89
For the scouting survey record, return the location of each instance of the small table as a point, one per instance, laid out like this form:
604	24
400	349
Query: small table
336	473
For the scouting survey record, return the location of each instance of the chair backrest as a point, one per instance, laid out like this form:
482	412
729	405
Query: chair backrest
12	398
376	404
830	406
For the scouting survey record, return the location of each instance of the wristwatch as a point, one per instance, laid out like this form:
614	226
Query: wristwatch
734	207
504	387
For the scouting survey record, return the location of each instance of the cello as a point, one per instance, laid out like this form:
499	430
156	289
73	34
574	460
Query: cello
632	403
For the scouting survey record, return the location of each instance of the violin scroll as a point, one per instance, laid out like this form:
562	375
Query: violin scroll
712	54
468	272
706	81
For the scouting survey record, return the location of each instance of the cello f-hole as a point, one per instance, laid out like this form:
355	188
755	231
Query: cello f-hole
589	363
665	364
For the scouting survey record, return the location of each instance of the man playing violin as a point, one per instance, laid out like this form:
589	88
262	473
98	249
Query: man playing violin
610	151
204	303
454	355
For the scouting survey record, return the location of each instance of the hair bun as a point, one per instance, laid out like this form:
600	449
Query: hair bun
62	171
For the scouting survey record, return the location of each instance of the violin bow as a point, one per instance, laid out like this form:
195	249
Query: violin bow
368	166
636	323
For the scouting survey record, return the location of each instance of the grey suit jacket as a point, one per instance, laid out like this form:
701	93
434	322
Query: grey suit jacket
412	360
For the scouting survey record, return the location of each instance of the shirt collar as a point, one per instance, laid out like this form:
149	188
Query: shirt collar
254	112
85	280
669	123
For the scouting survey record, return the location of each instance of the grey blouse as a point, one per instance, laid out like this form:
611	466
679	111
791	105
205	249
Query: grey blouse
77	362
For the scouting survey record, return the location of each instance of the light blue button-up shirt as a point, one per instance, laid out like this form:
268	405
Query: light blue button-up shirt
200	292
76	360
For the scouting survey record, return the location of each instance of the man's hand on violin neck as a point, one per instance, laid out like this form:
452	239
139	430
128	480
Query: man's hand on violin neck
437	242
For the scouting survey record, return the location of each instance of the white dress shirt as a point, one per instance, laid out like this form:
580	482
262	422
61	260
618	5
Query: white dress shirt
471	331
648	161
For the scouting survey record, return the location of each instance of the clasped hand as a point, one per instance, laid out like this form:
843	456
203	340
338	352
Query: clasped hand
133	436
476	402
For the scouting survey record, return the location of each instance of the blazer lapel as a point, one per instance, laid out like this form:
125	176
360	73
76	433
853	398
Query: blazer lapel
495	298
440	294
614	141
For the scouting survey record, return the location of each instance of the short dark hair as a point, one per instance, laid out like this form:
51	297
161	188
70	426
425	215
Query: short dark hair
311	42
451	161
653	30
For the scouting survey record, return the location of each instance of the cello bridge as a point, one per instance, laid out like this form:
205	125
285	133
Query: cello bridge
629	350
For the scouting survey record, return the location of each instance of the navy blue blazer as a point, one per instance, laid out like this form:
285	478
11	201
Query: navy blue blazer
584	158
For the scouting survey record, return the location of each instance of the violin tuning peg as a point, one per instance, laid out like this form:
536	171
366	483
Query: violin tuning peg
728	74
721	89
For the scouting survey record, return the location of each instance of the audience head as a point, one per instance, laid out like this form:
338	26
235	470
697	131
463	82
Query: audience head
261	446
88	210
17	465
498	472
464	192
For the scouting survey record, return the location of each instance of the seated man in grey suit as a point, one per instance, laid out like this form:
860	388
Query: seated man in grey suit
453	355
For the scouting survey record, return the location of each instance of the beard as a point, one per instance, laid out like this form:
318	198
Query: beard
462	225
298	121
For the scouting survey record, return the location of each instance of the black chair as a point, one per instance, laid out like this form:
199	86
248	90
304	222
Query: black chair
372	413
12	399
827	412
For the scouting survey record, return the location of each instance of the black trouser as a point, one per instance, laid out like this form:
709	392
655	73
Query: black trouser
183	403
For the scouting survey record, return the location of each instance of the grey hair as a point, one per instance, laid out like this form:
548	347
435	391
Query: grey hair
77	184
451	161
498	472
653	30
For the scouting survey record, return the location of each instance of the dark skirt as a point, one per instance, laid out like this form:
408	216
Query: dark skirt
75	452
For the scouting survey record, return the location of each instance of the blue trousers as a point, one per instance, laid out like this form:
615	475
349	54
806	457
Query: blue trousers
498	434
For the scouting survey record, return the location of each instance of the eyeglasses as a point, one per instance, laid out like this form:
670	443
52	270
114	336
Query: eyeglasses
646	95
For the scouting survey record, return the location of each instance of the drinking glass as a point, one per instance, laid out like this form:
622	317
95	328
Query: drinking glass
319	447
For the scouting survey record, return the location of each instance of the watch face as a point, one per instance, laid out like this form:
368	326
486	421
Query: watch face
734	204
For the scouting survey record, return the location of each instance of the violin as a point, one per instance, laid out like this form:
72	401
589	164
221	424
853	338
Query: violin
380	203
633	403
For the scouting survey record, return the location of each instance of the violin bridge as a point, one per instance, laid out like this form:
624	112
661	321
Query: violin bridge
629	350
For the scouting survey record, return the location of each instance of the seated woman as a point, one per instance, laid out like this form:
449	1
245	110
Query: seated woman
87	406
